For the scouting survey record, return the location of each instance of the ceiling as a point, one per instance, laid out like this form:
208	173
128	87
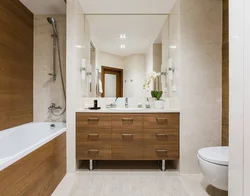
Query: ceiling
105	30
141	31
101	6
45	6
127	6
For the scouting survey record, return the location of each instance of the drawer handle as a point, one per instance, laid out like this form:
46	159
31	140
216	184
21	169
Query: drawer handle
161	135
161	119
161	151
127	135
127	119
93	119
93	135
93	151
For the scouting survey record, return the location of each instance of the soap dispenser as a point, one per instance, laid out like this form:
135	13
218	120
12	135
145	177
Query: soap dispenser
147	104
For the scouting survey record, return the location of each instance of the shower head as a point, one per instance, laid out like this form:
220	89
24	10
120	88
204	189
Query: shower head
52	21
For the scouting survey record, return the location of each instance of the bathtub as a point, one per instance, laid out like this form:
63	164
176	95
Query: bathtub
17	142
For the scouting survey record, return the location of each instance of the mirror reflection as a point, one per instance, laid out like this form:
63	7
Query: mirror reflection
128	55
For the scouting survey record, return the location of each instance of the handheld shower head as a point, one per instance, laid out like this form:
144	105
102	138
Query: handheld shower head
52	21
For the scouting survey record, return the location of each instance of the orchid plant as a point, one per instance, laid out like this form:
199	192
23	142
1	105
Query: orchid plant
151	77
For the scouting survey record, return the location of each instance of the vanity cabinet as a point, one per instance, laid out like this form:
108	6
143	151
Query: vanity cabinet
93	136
123	136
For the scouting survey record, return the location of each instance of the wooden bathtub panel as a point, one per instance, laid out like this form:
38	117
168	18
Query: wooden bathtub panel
39	173
39	190
24	185
60	151
11	174
48	183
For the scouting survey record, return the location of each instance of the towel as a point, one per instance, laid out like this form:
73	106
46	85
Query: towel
100	86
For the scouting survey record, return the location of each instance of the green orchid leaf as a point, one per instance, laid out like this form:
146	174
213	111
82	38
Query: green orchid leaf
159	94
153	93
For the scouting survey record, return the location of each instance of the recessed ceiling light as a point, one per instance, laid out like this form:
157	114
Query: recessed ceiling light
123	46
80	46
172	46
123	36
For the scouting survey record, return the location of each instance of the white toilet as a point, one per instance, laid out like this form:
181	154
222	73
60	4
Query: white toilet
213	162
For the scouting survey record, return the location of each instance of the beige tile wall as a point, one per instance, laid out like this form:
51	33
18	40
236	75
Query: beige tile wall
77	26
200	79
134	75
45	90
157	57
174	48
165	55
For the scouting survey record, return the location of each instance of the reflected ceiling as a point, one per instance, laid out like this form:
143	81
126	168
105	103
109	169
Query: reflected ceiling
141	31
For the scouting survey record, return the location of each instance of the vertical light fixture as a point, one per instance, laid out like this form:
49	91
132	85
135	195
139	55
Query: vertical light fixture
123	36
123	46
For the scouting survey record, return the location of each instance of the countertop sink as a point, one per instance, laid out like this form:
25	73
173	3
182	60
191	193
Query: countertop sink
127	109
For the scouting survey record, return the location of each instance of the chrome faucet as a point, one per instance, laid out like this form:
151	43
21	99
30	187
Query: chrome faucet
126	102
54	107
116	100
112	105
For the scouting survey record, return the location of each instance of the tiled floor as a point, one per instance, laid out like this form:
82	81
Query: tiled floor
134	183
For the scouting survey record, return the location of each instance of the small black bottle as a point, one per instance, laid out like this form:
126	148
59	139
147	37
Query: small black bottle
95	103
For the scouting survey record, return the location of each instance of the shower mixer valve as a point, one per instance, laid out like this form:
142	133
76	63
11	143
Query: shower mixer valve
54	107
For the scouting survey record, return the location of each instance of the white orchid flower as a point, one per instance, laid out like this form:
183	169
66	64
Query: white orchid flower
149	79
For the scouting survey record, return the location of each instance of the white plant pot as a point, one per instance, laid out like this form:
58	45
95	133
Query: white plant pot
159	104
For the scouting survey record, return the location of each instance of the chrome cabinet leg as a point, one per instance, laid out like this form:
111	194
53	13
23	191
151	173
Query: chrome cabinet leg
163	165
91	167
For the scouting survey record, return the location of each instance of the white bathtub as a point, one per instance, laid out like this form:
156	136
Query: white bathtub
17	142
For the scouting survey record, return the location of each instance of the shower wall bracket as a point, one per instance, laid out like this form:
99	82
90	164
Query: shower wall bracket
53	75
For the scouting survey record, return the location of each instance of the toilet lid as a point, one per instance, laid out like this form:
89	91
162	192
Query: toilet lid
217	155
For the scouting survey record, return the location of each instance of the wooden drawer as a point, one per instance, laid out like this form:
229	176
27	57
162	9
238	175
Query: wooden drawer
93	151
124	152
127	121
161	121
161	137
160	152
127	138
106	136
97	136
93	120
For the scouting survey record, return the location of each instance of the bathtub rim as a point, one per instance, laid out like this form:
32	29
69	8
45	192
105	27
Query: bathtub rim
12	159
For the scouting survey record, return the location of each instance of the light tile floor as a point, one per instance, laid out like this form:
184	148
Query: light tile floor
134	183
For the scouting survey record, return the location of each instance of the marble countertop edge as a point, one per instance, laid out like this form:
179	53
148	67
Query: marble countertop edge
107	110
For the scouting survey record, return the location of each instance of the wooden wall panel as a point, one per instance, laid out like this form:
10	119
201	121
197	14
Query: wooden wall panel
38	173
16	64
225	75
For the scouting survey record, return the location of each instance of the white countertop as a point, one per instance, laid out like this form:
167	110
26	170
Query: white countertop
107	110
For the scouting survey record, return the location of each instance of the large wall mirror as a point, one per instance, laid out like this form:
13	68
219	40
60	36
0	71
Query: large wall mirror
125	51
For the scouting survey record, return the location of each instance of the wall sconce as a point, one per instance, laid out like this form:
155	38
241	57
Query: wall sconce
89	78
89	73
83	69
163	76
163	71
171	69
